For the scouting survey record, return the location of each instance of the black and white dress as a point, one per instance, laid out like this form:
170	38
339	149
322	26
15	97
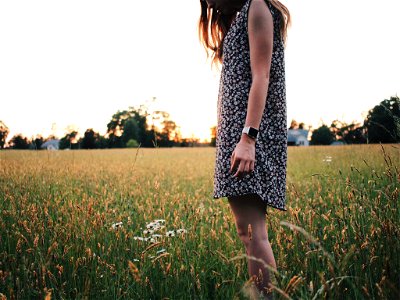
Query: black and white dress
268	179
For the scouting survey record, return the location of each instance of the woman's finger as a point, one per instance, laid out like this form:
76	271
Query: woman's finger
247	167
232	161
252	166
240	169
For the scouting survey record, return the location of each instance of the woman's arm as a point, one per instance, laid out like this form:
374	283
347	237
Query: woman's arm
260	31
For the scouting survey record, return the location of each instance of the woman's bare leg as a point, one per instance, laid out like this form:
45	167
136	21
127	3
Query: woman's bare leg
250	209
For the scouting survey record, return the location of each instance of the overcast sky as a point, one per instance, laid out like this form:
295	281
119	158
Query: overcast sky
78	62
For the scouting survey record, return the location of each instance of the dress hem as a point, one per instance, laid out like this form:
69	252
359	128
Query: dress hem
266	203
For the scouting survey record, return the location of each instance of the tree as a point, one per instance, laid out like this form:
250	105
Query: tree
4	131
322	136
169	134
293	124
102	142
90	139
383	122
19	142
213	136
37	142
134	124
130	130
69	141
355	134
164	130
136	121
115	129
338	129
189	142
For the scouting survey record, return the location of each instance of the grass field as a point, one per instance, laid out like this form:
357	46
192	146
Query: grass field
73	225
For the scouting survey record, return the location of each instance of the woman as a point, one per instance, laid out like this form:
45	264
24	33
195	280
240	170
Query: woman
247	37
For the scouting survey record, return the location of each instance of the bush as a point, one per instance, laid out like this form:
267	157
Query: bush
132	143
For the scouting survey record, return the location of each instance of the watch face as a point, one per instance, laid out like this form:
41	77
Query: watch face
253	132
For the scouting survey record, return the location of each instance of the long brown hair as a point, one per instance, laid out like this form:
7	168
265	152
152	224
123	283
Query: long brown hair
213	26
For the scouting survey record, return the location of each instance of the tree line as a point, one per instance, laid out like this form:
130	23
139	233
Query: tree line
132	128
381	125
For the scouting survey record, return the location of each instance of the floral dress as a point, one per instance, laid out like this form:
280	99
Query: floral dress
268	180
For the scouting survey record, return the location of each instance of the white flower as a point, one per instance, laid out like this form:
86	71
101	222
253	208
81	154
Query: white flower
156	235
116	225
150	225
327	159
135	259
181	230
148	231
159	221
152	240
170	233
138	238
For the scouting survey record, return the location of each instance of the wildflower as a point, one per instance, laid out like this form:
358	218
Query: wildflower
159	221
153	226
170	233
327	159
156	235
138	238
116	225
181	230
150	226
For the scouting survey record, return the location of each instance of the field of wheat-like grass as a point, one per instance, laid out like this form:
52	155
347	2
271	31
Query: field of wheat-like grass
142	224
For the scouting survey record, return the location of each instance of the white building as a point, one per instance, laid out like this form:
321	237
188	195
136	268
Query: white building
51	145
298	137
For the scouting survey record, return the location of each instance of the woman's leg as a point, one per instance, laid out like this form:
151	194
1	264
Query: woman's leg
250	209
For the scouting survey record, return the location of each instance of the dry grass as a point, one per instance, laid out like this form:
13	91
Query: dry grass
74	224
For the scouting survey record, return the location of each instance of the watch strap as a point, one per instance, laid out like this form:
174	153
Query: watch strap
250	131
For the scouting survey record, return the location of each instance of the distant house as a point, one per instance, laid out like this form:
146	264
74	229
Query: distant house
297	137
338	143
51	145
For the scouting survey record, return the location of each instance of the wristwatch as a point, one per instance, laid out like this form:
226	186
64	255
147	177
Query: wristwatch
251	132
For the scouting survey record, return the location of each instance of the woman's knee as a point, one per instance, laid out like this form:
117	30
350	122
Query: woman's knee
251	233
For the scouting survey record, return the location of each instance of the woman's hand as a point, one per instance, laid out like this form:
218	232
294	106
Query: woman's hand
243	157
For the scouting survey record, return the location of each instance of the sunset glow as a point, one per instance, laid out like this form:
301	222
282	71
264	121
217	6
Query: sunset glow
77	63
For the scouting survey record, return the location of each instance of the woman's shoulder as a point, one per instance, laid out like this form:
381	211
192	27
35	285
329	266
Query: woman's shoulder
259	10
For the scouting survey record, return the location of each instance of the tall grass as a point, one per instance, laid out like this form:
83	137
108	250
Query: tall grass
141	224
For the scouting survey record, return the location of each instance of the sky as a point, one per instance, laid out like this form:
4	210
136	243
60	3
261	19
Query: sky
73	64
